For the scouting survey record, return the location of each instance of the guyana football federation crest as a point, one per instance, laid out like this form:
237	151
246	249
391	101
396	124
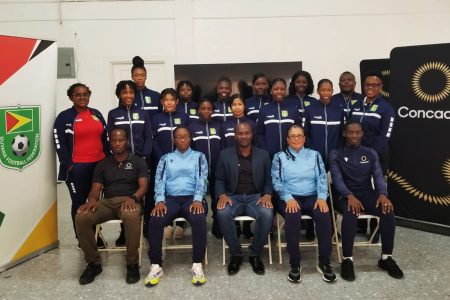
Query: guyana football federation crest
19	136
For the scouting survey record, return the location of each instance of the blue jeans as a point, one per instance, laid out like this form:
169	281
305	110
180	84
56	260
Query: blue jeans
245	205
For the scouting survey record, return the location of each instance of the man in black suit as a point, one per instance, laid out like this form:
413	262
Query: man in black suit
244	186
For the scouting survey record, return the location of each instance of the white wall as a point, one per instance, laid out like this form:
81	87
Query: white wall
328	36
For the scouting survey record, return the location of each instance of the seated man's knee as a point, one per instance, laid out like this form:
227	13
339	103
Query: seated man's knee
197	218
130	216
224	213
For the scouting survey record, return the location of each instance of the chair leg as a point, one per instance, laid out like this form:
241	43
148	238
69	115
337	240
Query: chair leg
333	219
206	256
269	244
141	241
280	256
223	251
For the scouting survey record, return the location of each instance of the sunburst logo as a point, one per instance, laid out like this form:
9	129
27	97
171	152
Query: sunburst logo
421	71
434	199
386	74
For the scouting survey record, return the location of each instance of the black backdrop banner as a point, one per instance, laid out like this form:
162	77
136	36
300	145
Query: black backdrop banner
419	175
376	65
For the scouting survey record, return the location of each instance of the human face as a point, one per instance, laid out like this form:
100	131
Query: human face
353	135
301	84
243	135
139	76
205	111
325	92
169	102
118	142
372	87
182	140
347	83
127	96
260	86
185	92
223	90
80	98
296	139
278	91
237	107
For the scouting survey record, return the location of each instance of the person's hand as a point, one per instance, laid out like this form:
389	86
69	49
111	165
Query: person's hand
160	210
223	201
354	205
385	203
128	205
322	204
292	206
91	205
265	201
196	208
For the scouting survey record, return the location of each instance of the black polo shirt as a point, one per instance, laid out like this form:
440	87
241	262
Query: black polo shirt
245	175
120	179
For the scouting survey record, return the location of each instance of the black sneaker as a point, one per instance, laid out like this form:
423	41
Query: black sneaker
133	275
120	242
391	267
327	271
295	273
347	271
89	273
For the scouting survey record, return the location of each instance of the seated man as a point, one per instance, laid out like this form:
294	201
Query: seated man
124	180
352	168
180	189
244	186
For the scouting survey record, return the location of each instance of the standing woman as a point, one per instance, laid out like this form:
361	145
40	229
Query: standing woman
237	109
207	138
164	124
300	179
136	122
377	118
222	110
275	119
81	142
186	102
300	89
146	98
324	122
260	96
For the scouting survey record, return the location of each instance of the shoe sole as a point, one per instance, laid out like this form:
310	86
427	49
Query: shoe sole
324	278
295	281
149	284
393	276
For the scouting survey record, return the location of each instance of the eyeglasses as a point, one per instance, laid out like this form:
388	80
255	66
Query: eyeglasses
81	95
181	138
372	85
296	136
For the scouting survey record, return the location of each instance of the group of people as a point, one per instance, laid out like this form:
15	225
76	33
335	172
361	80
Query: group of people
258	156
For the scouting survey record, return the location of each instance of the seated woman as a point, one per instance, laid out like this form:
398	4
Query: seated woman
180	189
299	178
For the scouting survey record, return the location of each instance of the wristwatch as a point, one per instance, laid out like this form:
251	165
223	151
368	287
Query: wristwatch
134	197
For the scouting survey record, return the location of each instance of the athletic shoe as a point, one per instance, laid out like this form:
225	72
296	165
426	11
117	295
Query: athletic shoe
153	277
168	232
89	273
391	267
133	275
347	271
198	278
295	273
121	242
327	271
179	232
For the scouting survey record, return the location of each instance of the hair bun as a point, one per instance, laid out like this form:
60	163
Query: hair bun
138	61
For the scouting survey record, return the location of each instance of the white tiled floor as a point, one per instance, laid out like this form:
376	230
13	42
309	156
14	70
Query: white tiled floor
424	258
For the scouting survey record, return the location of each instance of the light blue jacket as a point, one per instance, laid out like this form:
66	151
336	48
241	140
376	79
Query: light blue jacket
300	174
181	174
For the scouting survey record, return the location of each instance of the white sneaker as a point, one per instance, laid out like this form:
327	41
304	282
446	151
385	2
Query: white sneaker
198	277
168	231
179	232
152	279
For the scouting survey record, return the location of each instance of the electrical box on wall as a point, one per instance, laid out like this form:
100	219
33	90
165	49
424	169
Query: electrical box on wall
66	63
